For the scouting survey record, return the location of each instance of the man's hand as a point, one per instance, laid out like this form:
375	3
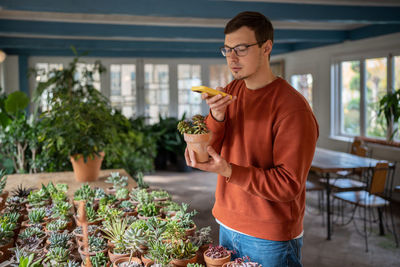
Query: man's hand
218	104
215	164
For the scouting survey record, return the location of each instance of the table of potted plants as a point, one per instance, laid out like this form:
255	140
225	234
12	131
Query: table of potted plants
141	227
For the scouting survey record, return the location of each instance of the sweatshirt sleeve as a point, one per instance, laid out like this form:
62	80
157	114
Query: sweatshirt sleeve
218	130
295	135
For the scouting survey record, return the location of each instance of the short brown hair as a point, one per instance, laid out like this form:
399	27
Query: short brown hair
256	21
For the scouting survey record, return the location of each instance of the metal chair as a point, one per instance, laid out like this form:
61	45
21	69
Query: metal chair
377	195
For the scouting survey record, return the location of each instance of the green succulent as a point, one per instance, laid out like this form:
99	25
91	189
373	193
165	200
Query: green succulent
97	243
202	237
127	206
11	217
157	194
39	198
61	210
134	238
37	215
140	181
184	218
99	260
196	126
117	180
28	261
3	180
57	225
91	229
142	196
114	230
99	193
183	250
6	232
148	209
31	232
84	193
174	231
57	255
122	193
91	214
59	240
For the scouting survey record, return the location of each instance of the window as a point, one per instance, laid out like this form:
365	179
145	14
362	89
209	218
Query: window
156	85
188	102
376	85
361	84
219	75
41	69
96	75
350	97
123	88
303	83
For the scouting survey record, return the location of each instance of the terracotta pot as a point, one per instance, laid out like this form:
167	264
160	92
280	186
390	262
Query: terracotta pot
83	264
183	263
4	248
191	231
200	252
1	256
87	171
113	257
198	144
210	262
146	260
126	259
149	264
4	195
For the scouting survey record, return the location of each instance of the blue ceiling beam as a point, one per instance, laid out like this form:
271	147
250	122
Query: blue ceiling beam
55	47
108	31
214	9
373	31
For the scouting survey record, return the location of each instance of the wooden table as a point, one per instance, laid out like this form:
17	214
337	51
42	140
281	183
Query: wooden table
37	179
328	161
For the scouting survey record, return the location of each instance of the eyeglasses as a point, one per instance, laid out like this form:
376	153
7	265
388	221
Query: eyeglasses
240	50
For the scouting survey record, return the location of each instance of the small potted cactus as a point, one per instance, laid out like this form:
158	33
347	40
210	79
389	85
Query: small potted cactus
197	136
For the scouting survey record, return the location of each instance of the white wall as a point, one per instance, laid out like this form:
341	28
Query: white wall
11	77
318	62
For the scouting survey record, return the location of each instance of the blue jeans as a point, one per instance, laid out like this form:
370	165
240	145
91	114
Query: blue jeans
267	253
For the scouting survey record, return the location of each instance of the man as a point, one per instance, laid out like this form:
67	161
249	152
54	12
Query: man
262	148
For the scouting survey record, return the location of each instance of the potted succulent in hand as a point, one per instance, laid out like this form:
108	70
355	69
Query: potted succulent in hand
216	256
197	136
78	123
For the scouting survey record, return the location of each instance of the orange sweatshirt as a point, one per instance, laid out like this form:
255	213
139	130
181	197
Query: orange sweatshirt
269	137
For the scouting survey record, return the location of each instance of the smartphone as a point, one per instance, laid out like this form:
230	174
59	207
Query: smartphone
209	91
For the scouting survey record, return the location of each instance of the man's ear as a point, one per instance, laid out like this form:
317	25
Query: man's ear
268	47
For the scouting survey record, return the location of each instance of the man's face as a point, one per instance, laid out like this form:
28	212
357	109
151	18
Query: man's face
243	67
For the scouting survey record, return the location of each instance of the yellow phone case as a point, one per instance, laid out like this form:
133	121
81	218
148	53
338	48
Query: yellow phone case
209	91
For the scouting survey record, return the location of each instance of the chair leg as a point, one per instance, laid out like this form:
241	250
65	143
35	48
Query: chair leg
381	228
365	229
393	226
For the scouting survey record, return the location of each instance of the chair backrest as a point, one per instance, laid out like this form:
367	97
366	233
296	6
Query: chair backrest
379	178
359	148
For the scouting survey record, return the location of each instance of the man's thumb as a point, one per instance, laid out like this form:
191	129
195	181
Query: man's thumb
212	152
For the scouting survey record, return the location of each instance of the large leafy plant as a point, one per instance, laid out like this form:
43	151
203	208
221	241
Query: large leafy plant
79	119
389	106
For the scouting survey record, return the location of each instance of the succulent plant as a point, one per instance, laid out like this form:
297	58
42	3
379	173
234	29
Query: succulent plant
28	261
184	218
22	191
196	126
194	265
127	206
6	232
244	262
84	193
122	193
31	232
57	225
183	250
135	238
148	209
202	237
99	260
59	240
91	214
37	215
114	230
3	180
61	210
99	193
157	194
91	229
57	255
140	181
217	252
97	243
117	180
141	196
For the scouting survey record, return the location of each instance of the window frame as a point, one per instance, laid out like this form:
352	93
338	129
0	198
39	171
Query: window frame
336	90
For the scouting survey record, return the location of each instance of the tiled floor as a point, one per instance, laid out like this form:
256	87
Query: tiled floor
345	249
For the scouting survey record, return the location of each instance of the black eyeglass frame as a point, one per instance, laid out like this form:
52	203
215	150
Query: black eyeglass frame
224	53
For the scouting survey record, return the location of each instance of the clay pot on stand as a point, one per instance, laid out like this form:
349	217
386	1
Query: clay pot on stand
198	144
87	171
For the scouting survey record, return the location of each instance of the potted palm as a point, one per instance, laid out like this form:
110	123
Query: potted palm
389	106
78	122
197	136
